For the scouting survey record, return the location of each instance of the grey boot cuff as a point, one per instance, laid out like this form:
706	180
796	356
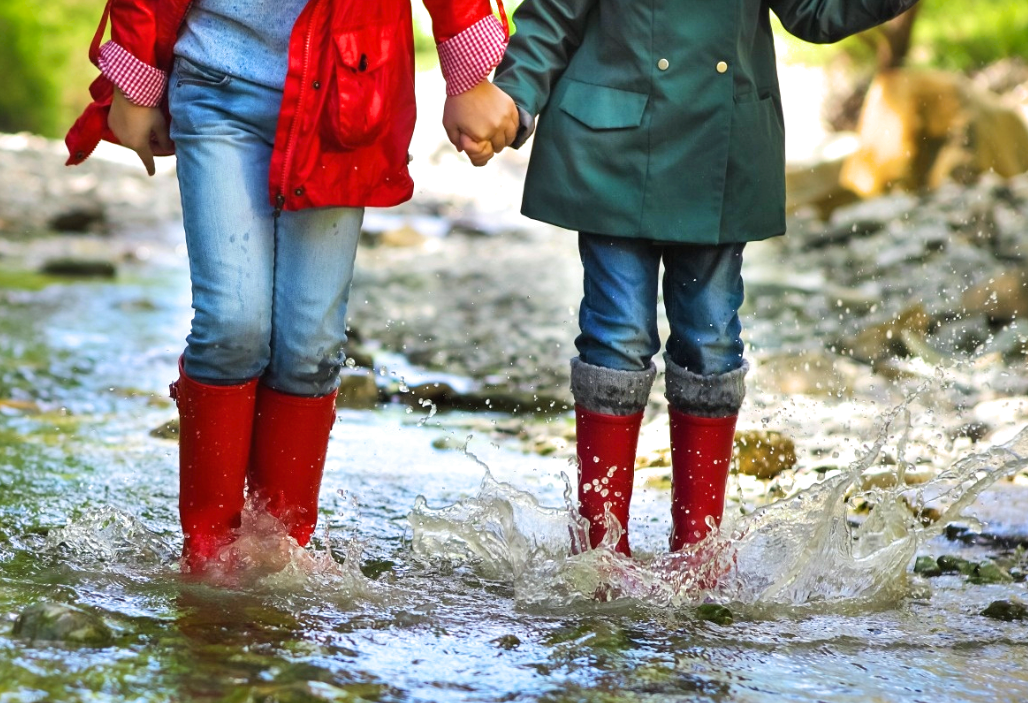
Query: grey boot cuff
610	391
705	396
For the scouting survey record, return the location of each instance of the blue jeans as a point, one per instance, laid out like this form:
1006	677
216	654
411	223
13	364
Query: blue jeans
269	293
703	291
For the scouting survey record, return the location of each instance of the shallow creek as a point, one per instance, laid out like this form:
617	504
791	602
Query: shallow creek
447	575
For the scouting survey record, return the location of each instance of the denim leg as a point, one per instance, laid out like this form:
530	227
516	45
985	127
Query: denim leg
223	130
703	291
618	315
269	293
313	271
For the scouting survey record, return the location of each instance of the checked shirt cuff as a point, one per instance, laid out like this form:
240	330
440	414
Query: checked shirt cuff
141	83
467	58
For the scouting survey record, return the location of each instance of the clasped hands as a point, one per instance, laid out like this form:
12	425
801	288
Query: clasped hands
481	121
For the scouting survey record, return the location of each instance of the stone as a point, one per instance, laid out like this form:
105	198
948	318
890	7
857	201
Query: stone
1002	298
809	372
357	390
955	565
1008	610
169	430
885	339
989	572
764	453
921	128
507	642
717	614
79	268
927	566
62	623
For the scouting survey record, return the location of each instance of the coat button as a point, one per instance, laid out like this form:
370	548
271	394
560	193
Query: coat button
663	64
316	85
721	67
298	192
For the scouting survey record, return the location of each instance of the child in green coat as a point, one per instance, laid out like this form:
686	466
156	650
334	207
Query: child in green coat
660	141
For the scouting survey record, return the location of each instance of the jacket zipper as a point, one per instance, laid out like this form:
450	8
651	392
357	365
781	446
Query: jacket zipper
287	161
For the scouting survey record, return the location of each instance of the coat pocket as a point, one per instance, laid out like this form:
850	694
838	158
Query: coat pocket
602	107
365	71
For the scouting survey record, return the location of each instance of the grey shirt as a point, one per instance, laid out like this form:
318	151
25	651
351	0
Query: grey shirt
248	39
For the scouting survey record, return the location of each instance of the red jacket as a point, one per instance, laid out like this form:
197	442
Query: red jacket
348	109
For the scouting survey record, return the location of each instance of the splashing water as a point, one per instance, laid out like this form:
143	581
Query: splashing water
803	550
262	556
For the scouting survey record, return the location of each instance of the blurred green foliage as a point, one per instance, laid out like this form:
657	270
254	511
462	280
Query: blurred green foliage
43	58
43	47
958	35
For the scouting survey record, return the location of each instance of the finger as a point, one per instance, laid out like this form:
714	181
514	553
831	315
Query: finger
510	132
471	146
146	156
454	135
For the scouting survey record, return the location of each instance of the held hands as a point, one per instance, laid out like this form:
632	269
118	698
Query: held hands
139	128
480	122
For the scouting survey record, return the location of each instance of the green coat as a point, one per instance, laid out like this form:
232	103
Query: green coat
662	119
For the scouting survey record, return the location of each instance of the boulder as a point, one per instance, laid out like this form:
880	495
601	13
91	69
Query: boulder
920	128
62	623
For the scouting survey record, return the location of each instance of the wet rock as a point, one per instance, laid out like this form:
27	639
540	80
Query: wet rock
405	236
989	572
373	568
1002	298
449	443
1007	610
357	390
955	565
927	566
921	128
717	614
88	216
79	268
885	339
763	453
507	642
169	430
887	477
62	623
811	372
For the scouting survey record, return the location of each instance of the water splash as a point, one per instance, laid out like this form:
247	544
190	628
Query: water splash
106	534
803	550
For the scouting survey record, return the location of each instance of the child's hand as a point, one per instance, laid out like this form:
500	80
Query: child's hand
481	121
139	128
478	152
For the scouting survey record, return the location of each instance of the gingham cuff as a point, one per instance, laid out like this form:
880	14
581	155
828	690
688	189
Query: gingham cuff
468	57
141	83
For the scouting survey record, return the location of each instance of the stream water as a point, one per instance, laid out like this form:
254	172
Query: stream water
448	575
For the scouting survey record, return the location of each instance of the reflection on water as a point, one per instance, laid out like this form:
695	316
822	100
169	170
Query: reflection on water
482	598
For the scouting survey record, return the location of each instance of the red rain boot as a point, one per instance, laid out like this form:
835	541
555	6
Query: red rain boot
290	440
701	451
214	447
606	470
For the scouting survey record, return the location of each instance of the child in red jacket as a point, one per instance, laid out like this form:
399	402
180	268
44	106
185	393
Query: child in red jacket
287	119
